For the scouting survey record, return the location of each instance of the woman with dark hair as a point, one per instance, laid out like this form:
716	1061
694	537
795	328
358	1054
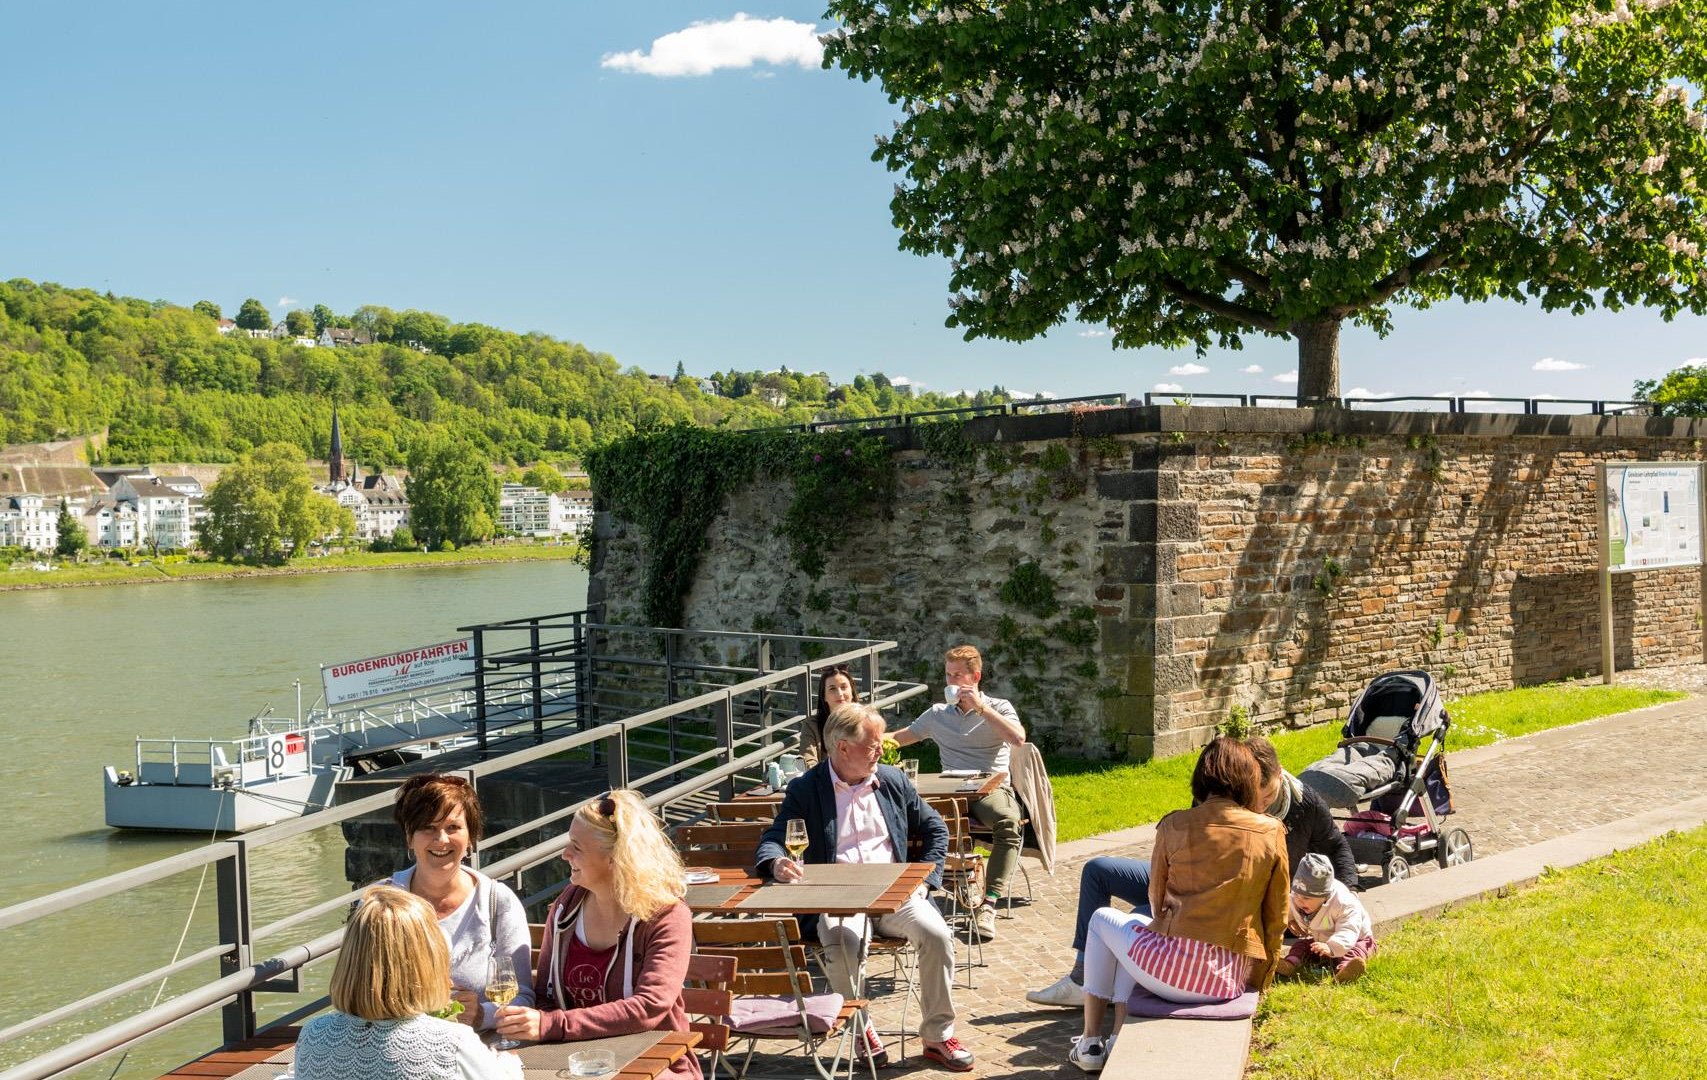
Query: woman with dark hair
835	687
442	823
1218	887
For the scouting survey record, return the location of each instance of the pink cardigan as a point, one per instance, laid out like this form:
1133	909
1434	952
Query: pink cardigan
661	948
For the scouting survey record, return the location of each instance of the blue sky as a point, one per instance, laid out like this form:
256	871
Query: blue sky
661	181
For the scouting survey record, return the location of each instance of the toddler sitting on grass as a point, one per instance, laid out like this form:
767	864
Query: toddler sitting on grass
1332	926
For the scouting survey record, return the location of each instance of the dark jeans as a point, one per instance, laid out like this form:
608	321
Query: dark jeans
1104	878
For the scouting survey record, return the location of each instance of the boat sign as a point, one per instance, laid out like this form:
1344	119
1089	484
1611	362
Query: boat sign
398	672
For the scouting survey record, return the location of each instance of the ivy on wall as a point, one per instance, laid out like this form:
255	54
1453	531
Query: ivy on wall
672	484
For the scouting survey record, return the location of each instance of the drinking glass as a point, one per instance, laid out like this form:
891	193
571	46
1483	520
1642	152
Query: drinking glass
794	838
501	988
910	769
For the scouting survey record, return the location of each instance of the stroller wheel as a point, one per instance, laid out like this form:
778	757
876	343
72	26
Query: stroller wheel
1454	849
1396	868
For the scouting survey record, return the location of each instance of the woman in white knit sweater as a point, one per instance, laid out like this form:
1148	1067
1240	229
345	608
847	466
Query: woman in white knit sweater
392	975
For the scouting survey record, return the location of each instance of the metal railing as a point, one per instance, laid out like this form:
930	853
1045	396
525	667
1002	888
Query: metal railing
720	722
1434	403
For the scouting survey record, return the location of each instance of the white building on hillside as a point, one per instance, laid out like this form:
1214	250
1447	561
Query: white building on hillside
28	521
110	523
525	511
575	512
163	513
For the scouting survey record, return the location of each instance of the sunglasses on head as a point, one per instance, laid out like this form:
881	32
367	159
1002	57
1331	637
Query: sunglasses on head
607	808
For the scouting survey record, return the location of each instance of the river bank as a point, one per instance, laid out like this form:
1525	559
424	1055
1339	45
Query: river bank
154	572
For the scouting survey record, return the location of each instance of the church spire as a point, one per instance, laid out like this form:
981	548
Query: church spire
335	459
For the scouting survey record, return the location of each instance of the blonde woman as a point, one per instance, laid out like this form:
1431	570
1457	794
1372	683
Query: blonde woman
393	973
615	954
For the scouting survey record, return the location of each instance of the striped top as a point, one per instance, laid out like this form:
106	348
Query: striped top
1191	967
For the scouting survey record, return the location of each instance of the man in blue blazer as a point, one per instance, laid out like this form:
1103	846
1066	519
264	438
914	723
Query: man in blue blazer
859	811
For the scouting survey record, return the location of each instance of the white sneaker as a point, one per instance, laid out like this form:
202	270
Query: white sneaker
1088	1053
1063	991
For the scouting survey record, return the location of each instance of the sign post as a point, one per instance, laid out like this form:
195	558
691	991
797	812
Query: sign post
1652	516
411	669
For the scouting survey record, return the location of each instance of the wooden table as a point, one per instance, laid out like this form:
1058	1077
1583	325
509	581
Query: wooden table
857	889
930	785
643	1055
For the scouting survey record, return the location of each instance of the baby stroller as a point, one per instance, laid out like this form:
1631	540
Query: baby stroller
1389	774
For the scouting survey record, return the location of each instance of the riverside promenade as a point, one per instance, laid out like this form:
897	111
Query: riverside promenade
1510	795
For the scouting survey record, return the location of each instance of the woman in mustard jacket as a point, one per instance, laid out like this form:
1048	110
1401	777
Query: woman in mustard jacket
1218	887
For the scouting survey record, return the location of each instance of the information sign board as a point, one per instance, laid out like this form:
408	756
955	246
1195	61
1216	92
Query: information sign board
410	669
1653	515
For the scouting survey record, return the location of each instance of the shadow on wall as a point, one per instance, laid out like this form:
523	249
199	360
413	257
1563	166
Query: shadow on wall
1556	621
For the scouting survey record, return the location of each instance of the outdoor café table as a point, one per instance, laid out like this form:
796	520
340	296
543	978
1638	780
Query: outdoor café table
829	889
931	786
643	1055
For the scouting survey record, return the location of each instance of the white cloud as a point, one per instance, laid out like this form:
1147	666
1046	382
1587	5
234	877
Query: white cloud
1547	363
1476	393
1364	392
1546	397
902	380
1167	388
1093	333
287	301
1287	377
1188	369
739	42
1253	369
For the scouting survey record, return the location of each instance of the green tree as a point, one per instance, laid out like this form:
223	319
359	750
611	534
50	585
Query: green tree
1195	171
300	323
1681	393
253	316
72	537
453	494
545	478
324	317
266	506
208	308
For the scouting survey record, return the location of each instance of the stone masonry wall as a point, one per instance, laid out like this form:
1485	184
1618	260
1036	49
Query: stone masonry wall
1133	574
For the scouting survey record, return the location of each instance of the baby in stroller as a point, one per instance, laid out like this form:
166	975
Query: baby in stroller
1332	926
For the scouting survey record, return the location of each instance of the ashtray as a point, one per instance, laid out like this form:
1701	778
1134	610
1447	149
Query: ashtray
590	1063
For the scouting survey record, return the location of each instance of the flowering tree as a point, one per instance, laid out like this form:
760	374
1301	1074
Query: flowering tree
1193	171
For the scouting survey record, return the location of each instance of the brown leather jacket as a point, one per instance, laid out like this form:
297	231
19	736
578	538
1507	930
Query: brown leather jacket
1218	874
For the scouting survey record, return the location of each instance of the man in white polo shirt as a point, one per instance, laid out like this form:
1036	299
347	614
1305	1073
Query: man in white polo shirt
976	731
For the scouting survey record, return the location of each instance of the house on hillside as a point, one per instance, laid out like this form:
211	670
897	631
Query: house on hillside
109	523
28	521
226	326
342	337
164	516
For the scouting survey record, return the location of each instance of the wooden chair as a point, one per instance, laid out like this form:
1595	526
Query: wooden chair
725	846
745	810
771	964
962	874
709	995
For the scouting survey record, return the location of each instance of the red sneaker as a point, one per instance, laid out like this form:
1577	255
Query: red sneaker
871	1049
950	1055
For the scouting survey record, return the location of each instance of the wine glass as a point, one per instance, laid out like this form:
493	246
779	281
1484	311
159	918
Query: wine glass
794	839
501	989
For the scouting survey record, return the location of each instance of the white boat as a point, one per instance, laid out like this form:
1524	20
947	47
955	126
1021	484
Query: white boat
287	767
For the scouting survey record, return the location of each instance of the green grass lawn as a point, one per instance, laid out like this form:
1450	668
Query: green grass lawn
1594	971
1094	797
112	572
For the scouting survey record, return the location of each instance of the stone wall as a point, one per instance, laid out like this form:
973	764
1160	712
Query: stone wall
1134	574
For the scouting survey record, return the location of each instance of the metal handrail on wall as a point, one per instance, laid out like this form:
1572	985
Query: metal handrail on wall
738	748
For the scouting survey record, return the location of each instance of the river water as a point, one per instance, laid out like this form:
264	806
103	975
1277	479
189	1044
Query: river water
83	672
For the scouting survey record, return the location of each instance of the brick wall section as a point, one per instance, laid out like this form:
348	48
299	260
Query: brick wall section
1274	559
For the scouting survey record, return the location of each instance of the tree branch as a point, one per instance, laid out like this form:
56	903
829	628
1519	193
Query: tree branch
1216	305
1421	266
1248	276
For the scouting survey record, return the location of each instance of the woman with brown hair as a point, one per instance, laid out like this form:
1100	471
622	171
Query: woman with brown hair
442	823
392	974
617	940
1218	887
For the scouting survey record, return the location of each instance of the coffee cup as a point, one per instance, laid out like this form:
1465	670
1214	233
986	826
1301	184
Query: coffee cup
951	693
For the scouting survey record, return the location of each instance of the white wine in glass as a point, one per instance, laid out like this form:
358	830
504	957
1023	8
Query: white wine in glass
501	989
794	839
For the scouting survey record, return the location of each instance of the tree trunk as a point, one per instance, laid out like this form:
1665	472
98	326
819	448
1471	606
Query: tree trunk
1318	360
